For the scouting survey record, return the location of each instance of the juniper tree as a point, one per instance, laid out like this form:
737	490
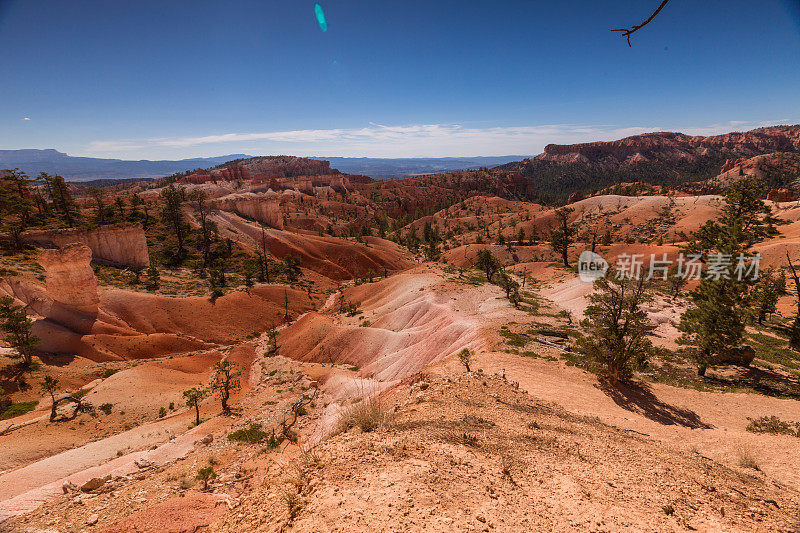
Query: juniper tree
193	398
617	325
16	324
225	380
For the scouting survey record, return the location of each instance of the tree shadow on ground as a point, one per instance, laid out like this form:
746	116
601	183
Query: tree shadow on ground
763	381
639	398
12	378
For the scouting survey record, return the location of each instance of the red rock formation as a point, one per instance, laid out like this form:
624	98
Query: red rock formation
575	197
667	145
234	173
781	195
261	207
779	167
72	285
118	244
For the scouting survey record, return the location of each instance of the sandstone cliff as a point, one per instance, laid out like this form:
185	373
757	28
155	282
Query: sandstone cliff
120	244
72	286
668	145
780	170
264	208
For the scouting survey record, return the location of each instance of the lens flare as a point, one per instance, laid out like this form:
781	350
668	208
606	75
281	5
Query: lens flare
323	24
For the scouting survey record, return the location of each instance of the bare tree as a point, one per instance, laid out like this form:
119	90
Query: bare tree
627	32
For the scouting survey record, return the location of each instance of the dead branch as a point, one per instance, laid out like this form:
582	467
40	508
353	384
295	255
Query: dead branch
552	344
301	402
796	280
628	32
765	500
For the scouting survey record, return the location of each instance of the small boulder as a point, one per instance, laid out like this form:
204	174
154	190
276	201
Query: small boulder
93	484
143	463
68	486
208	439
92	520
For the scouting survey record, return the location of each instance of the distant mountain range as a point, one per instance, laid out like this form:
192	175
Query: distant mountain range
88	168
383	168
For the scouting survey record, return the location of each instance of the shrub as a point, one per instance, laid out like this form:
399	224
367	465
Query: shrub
205	475
17	409
108	372
773	424
747	459
250	435
469	439
106	408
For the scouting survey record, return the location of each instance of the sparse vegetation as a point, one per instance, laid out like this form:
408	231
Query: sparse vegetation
17	409
774	425
368	414
206	475
746	459
250	435
465	357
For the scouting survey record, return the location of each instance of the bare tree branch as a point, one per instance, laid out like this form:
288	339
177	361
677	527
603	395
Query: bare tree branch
628	32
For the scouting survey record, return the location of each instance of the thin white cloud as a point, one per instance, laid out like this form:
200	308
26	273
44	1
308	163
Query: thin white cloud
377	140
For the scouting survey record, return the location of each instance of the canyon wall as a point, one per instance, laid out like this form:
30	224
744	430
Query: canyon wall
72	286
259	207
119	244
668	145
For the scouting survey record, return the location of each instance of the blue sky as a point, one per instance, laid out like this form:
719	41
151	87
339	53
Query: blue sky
161	79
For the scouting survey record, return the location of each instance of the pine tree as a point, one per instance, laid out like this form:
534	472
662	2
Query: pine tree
61	198
713	328
617	325
16	324
765	295
172	215
488	263
193	398
563	234
50	386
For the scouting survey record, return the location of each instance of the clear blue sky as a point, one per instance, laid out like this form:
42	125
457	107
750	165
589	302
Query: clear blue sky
162	79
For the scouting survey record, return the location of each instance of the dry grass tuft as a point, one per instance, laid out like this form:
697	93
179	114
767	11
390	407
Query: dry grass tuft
368	415
747	459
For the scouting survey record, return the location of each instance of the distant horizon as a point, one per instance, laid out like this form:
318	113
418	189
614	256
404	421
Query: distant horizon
581	134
